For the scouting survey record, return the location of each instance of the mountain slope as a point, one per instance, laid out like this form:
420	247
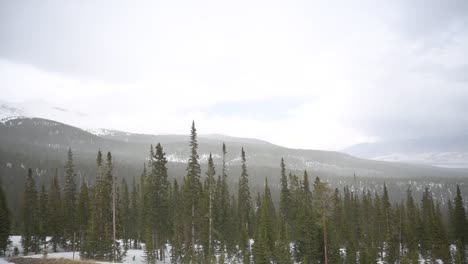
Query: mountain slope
42	144
55	137
443	152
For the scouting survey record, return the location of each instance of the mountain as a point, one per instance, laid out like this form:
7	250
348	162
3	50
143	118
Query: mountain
442	151
54	138
42	144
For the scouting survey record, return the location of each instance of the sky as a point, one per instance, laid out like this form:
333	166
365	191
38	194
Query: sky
302	74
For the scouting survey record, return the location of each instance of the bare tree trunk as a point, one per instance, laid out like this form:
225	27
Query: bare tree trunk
193	226
325	251
73	245
211	223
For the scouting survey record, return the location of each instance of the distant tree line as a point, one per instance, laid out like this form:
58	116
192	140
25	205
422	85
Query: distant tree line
198	220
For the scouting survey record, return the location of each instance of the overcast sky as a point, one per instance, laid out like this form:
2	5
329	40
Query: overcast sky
309	74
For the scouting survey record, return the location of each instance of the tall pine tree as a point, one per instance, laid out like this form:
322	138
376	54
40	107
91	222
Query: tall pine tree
30	237
244	209
4	222
69	204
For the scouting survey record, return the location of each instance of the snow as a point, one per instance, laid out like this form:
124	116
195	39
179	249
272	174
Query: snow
100	131
449	159
40	109
138	254
3	261
176	158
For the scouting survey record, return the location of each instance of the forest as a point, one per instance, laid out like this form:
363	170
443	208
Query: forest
199	219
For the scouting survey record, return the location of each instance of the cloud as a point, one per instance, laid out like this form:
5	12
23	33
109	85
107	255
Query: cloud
311	74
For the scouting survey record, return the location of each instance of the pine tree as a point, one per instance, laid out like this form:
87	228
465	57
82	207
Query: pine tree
426	224
134	215
163	188
244	208
55	212
125	216
100	243
83	213
211	190
306	239
193	189
30	237
4	222
284	195
460	224
92	244
43	217
69	203
224	230
264	245
412	221
115	253
178	224
324	203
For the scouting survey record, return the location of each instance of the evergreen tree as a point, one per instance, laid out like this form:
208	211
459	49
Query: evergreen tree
83	213
178	225
412	221
115	253
244	208
43	217
324	203
125	214
156	206
4	222
69	203
284	195
211	190
193	189
134	215
55	212
100	241
224	230
30	237
264	245
426	224
460	224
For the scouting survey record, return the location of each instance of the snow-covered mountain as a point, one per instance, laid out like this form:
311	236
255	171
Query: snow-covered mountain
442	152
41	109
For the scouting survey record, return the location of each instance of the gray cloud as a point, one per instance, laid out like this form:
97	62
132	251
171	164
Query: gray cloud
388	70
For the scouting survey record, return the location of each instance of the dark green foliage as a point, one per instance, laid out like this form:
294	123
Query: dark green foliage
30	236
192	193
69	203
55	220
284	194
99	243
4	222
244	209
203	223
156	206
43	217
124	215
83	213
460	224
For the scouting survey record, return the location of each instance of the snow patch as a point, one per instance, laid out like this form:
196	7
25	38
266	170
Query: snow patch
100	131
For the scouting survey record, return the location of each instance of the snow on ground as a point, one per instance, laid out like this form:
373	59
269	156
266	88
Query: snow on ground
3	261
134	256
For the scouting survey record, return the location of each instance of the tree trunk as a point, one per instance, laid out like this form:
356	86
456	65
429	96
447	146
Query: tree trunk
193	225
211	224
325	239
